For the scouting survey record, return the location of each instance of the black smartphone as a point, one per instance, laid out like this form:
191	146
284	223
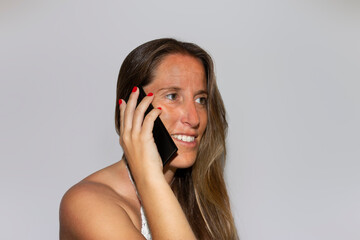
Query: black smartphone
164	143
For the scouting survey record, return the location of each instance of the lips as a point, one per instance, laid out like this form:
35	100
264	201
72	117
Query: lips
184	138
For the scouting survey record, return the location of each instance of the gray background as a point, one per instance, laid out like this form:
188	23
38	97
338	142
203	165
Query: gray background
288	71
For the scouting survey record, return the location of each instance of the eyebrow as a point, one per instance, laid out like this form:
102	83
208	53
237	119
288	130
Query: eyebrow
170	88
201	92
179	89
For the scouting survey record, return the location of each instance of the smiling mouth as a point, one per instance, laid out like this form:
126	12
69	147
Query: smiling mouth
184	138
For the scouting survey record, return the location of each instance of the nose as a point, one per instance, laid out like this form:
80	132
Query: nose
190	115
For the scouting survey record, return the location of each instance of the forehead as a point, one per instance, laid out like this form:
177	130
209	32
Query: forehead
180	69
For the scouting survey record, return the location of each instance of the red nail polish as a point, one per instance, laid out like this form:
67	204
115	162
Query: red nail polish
134	89
150	94
159	108
120	101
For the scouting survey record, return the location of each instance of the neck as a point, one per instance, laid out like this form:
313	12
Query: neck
169	173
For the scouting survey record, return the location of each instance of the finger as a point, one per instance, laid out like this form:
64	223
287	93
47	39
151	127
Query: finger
130	108
149	120
140	112
122	107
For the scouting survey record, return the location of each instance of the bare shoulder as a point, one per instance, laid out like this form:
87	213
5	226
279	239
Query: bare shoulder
94	210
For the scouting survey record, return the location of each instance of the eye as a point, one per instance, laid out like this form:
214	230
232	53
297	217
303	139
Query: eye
201	100
172	96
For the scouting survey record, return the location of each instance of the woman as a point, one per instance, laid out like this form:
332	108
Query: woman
186	198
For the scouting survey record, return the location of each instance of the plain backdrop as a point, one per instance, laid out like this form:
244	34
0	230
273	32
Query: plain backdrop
288	72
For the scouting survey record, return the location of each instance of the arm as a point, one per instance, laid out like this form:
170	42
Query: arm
165	216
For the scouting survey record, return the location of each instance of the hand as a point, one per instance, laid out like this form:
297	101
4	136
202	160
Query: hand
136	136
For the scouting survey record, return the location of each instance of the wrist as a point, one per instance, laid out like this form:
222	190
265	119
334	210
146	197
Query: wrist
151	184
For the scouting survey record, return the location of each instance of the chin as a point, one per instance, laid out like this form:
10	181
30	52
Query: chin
184	160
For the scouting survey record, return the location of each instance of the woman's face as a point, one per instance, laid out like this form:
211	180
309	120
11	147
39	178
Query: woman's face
179	86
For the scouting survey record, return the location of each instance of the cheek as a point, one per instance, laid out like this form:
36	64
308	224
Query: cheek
169	117
203	121
166	113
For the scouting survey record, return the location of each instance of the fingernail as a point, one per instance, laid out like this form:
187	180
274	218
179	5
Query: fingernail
150	94
134	89
159	108
120	101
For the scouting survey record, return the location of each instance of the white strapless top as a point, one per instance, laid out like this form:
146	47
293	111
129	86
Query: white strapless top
145	231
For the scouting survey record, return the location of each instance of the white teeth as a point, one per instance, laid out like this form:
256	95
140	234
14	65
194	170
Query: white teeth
184	138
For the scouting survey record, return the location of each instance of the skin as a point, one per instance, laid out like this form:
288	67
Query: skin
105	205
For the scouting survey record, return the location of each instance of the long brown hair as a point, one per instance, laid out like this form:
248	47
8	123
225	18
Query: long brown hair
200	189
